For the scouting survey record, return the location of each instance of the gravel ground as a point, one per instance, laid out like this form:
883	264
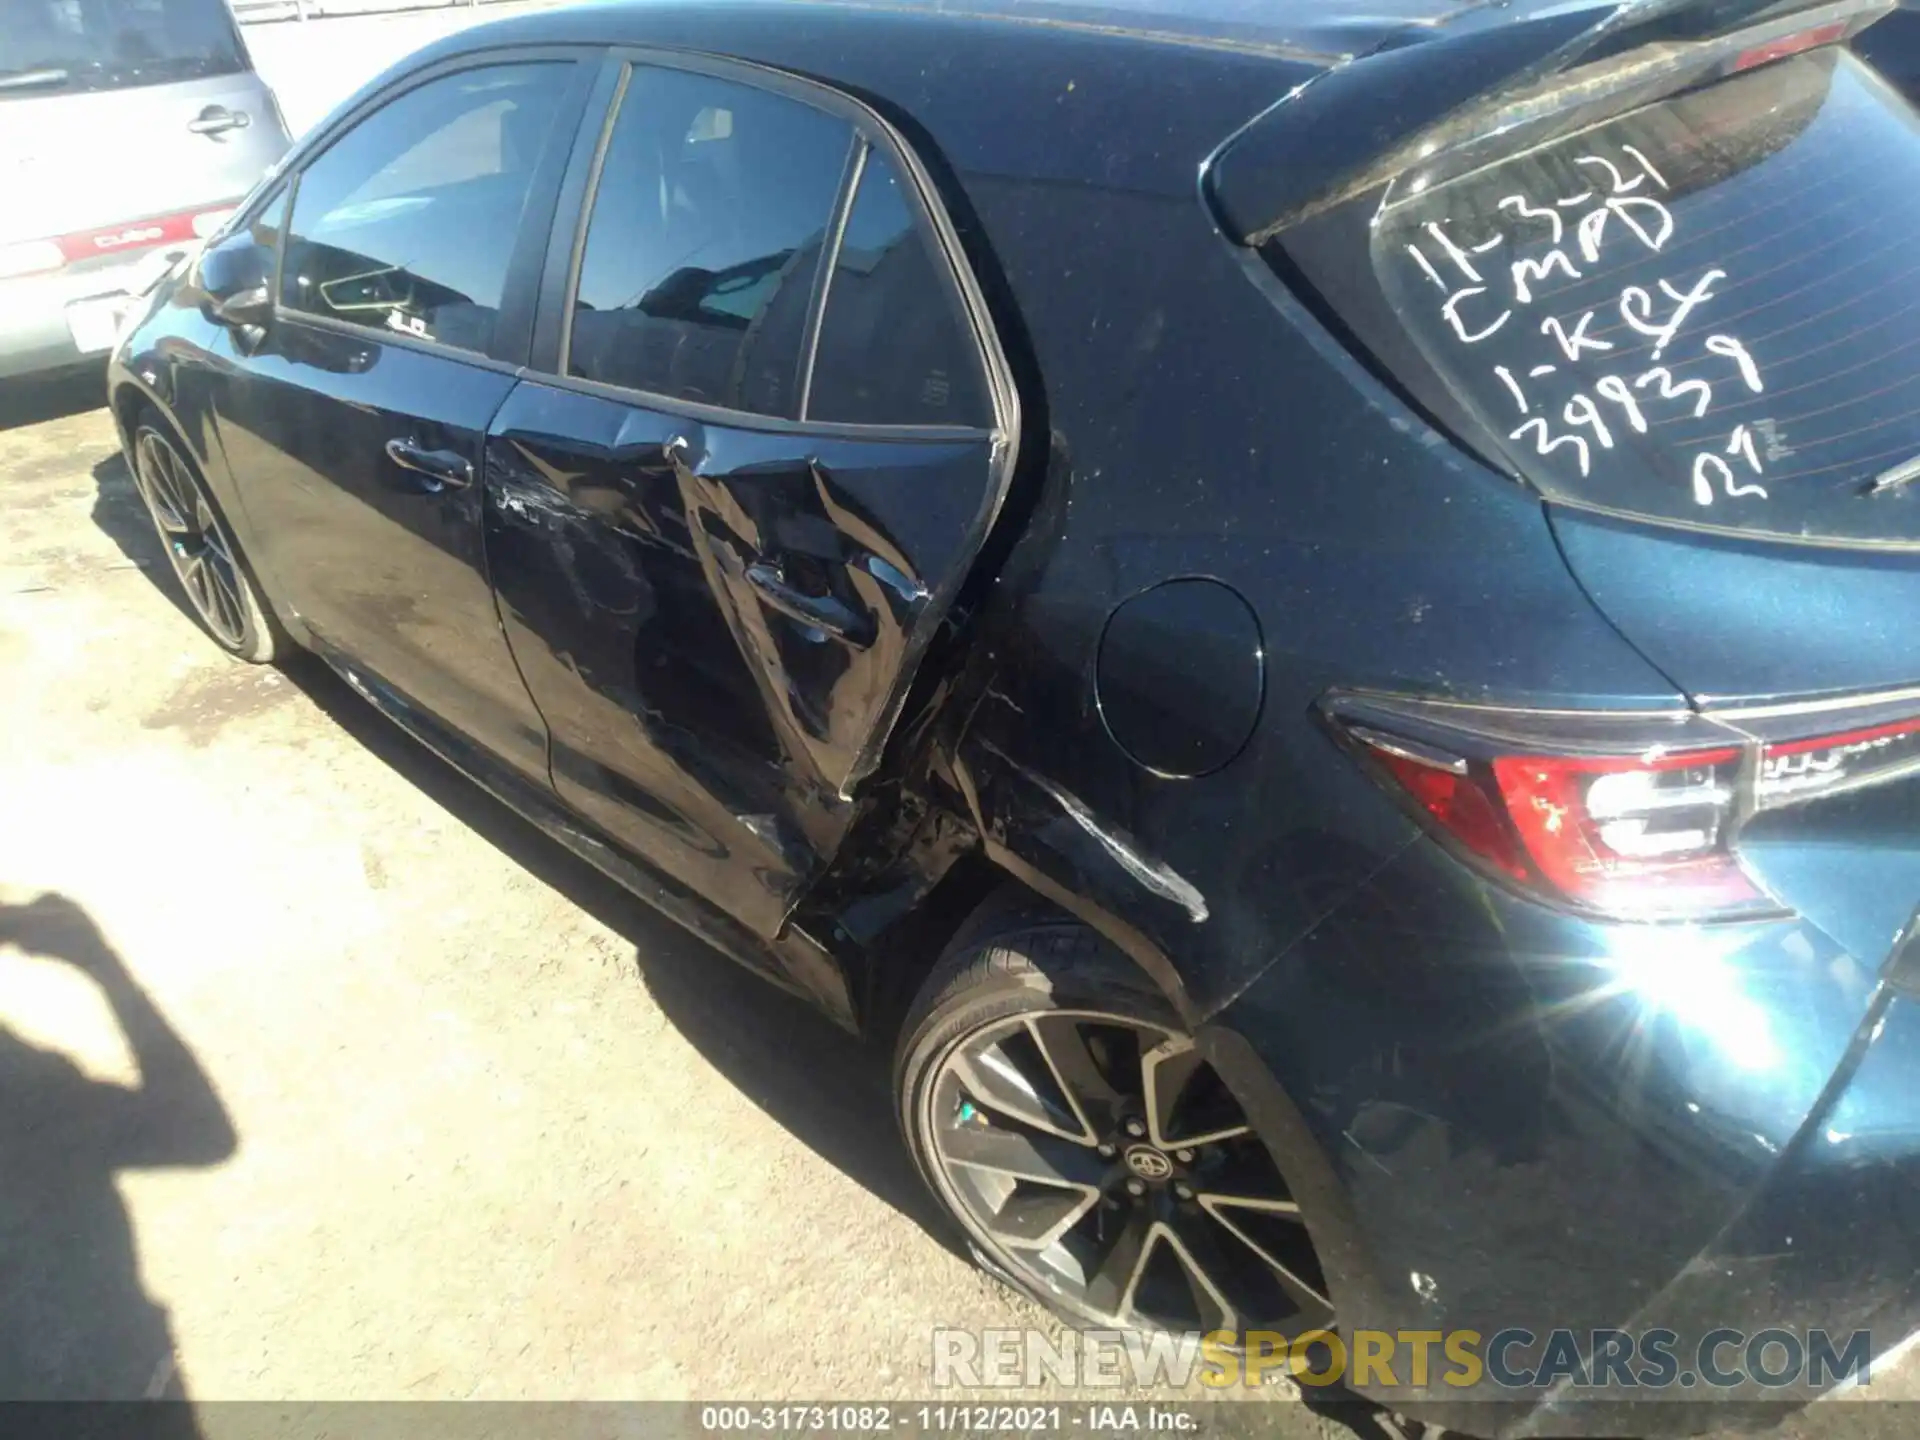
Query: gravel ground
324	1076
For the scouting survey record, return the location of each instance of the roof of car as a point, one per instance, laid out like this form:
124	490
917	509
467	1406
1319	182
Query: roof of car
1322	30
1132	94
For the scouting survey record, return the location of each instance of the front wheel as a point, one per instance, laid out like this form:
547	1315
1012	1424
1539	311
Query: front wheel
1094	1160
201	549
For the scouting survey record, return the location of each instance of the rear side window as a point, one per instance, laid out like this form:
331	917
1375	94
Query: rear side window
704	241
56	46
407	222
895	348
1704	310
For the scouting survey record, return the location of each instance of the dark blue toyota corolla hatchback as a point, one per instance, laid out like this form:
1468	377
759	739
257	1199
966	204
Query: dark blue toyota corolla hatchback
1305	606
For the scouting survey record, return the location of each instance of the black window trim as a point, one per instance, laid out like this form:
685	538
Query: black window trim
829	262
870	132
519	290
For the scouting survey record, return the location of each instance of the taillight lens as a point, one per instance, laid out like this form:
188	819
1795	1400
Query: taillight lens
1460	805
1792	45
1631	835
1635	818
1640	836
1796	770
29	257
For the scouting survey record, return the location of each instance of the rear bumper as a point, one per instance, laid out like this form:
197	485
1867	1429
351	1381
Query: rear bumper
1501	1118
36	333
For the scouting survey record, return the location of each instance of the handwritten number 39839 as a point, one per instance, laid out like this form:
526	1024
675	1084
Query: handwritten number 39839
1658	312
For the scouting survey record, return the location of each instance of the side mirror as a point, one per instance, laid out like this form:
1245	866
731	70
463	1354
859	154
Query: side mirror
236	278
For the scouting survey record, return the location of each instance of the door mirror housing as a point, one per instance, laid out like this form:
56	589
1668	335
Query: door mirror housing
235	277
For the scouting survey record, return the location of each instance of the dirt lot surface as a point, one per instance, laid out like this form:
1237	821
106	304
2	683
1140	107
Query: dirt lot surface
323	1076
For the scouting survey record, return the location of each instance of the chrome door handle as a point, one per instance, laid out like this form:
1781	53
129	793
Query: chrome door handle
217	120
826	613
445	469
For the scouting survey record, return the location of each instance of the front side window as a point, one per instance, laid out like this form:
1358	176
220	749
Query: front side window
895	347
704	240
1701	311
407	222
51	47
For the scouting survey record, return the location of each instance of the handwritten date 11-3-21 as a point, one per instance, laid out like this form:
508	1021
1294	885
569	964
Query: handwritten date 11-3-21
1486	290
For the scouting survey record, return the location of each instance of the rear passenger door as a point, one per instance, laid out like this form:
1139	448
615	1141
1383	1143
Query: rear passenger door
772	432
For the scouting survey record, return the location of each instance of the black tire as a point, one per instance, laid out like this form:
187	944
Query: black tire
207	561
1029	992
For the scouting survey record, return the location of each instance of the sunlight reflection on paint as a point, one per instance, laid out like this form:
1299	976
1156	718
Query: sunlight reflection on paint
1685	972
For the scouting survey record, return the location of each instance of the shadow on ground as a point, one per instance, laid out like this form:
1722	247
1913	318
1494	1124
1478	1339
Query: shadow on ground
75	1321
828	1089
31	399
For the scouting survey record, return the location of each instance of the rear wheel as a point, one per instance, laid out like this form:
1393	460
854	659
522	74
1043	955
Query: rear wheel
201	549
1064	1117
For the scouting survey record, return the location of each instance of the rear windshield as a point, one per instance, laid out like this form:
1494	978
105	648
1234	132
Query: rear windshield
60	46
1707	310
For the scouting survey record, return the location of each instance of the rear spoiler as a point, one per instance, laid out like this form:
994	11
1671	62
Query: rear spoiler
1478	74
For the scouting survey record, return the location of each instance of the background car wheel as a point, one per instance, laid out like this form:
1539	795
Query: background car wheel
1058	1109
209	565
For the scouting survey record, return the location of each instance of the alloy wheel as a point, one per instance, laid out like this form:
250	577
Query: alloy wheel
197	545
1104	1164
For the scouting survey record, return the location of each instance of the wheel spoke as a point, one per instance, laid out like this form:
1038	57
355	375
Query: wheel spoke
1207	1272
1032	1218
226	599
1212	1199
1116	1274
1222	1208
153	482
181	493
193	575
993	1079
1063	1044
1165	1072
1036	1128
1042	1157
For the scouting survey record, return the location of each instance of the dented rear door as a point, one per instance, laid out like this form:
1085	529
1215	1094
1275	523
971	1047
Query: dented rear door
724	528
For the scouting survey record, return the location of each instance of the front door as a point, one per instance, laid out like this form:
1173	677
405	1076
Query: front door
724	528
355	426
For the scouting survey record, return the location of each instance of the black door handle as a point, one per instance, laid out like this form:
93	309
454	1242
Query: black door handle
443	469
828	613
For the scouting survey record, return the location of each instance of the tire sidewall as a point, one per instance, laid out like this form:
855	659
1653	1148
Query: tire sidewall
1035	969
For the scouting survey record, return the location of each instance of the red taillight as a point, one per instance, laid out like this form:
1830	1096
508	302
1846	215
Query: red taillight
1457	802
1791	45
1636	817
1639	835
1796	770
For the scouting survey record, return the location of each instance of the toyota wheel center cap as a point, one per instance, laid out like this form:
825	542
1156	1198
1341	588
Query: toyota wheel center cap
1148	1163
